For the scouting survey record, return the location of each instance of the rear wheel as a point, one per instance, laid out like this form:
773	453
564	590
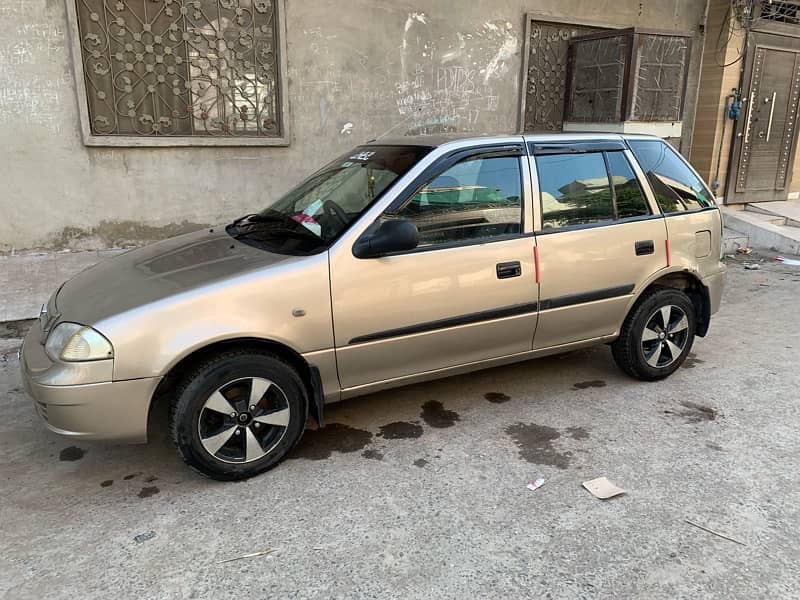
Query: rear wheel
238	414
657	334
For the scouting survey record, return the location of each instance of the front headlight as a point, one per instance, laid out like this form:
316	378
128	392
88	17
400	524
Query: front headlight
75	343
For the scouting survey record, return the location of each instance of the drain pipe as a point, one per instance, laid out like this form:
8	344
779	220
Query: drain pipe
725	116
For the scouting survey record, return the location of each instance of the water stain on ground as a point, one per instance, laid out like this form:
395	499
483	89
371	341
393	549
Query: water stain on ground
594	383
578	433
146	492
437	416
319	444
497	397
420	462
372	454
694	413
535	444
150	479
11	330
400	430
71	453
106	483
130	476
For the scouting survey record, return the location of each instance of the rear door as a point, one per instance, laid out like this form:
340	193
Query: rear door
598	236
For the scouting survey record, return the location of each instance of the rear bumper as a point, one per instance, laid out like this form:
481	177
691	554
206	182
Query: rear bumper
107	410
715	284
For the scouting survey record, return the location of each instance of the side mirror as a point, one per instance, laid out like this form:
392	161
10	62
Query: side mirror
391	236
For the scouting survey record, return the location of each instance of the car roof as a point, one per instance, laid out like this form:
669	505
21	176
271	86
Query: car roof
436	140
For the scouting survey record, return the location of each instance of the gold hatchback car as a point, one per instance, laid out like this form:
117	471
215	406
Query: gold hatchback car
400	261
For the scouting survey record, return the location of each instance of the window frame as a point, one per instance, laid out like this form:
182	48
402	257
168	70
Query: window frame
602	148
91	139
442	164
687	164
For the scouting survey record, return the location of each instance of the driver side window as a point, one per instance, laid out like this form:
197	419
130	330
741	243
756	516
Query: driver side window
476	199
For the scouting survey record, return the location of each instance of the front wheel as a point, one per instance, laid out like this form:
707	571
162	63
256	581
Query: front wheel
657	334
238	414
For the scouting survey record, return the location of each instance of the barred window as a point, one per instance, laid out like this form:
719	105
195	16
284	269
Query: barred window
164	69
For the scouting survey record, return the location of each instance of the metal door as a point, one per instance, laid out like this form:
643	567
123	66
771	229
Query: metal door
768	131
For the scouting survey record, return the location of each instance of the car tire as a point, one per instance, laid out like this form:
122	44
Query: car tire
649	349
238	414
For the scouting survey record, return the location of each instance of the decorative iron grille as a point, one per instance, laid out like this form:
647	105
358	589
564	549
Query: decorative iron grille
660	77
159	68
624	75
780	12
548	44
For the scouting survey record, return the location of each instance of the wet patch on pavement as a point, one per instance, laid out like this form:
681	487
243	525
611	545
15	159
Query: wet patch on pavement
107	483
497	397
372	454
535	444
150	479
694	413
319	444
10	330
400	430
148	491
594	383
131	476
71	453
420	462
437	416
578	433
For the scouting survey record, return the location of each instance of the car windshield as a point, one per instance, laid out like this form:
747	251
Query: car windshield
311	216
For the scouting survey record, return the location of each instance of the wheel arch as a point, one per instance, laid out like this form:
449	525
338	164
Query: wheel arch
308	373
689	284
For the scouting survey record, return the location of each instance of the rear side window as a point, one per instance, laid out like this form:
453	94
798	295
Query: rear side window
676	187
588	189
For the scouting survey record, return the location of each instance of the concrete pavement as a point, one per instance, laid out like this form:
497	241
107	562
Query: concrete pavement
420	492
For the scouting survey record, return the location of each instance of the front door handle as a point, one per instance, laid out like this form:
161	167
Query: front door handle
645	247
509	269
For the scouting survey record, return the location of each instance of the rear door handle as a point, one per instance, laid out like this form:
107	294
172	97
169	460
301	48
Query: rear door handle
507	270
645	247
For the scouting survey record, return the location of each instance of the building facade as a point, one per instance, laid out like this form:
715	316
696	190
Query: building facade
126	121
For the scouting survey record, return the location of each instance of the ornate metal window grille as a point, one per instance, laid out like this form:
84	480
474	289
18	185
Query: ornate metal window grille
181	68
780	12
546	73
627	75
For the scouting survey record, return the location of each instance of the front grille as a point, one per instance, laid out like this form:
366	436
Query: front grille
41	408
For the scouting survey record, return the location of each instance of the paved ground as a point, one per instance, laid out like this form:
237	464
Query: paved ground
420	492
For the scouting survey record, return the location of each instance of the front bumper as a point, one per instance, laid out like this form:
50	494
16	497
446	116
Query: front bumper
101	410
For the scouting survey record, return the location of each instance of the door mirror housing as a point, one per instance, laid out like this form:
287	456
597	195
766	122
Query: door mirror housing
396	235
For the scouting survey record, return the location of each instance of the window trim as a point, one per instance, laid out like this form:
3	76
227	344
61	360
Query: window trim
607	223
90	139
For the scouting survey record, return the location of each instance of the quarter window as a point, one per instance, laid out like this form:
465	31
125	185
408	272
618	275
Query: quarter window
676	187
476	199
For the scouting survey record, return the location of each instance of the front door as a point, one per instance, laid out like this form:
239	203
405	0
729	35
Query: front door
768	131
468	292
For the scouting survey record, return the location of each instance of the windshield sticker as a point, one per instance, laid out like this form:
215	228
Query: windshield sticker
307	220
362	156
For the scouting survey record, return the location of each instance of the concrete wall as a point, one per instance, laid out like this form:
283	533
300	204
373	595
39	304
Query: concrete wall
356	70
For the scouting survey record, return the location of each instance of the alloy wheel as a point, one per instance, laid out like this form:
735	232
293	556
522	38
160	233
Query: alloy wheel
244	420
665	335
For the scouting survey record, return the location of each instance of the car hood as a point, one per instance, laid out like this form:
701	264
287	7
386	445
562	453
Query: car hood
155	272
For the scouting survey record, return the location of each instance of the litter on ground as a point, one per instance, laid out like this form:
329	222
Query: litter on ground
602	488
788	261
535	484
